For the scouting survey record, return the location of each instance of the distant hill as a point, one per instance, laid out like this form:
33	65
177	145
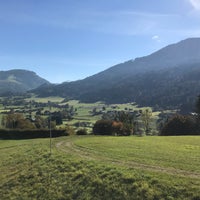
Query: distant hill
168	78
19	81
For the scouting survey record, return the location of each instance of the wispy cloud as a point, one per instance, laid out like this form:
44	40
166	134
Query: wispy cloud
126	22
195	4
116	22
156	38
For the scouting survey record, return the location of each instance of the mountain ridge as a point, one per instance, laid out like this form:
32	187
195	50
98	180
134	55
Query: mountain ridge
150	80
19	81
163	79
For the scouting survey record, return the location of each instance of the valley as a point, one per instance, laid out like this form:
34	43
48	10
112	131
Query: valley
128	132
100	100
75	114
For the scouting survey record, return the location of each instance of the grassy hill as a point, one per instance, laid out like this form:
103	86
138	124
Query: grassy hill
101	168
19	81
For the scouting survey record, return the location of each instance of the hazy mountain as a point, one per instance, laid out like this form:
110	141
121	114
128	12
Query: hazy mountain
19	81
169	77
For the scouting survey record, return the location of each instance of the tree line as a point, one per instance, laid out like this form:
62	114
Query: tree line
120	123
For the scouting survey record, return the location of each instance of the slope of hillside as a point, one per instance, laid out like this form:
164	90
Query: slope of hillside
101	168
18	81
163	78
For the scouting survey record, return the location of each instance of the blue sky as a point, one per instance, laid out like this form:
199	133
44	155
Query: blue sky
65	40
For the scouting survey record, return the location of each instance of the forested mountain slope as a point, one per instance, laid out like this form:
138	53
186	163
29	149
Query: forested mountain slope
169	77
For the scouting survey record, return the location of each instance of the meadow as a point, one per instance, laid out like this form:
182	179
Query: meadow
94	167
84	114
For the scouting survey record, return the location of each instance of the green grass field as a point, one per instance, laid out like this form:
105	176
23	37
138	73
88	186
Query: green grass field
94	167
45	100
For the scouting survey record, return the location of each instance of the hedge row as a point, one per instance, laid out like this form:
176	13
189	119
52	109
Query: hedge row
30	134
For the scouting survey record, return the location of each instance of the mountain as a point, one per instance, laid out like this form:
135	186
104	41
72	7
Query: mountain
168	78
19	81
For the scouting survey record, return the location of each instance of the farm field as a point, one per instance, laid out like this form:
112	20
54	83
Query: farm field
76	114
83	115
94	167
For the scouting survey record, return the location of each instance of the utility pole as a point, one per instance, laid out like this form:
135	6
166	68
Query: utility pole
50	133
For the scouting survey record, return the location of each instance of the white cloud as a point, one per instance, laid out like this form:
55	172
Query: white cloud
156	38
195	4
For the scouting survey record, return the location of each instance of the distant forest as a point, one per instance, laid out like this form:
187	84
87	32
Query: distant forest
175	88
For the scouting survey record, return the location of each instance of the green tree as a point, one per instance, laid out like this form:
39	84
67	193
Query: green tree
3	121
180	125
146	118
126	118
197	106
103	127
17	121
57	117
40	122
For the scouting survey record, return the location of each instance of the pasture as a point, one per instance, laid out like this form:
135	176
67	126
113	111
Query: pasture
92	167
83	115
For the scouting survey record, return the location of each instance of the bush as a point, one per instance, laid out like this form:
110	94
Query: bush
103	127
30	134
70	130
180	125
108	127
81	132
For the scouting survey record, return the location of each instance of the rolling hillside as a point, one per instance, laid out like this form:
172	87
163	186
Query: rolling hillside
167	78
100	168
19	81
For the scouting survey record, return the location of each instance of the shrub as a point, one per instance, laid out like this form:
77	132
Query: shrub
81	132
103	127
70	130
30	133
180	125
117	128
108	127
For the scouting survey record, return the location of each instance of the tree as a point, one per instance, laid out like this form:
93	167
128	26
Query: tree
180	125
40	122
103	127
3	121
109	127
57	117
197	106
126	118
146	118
17	121
117	128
